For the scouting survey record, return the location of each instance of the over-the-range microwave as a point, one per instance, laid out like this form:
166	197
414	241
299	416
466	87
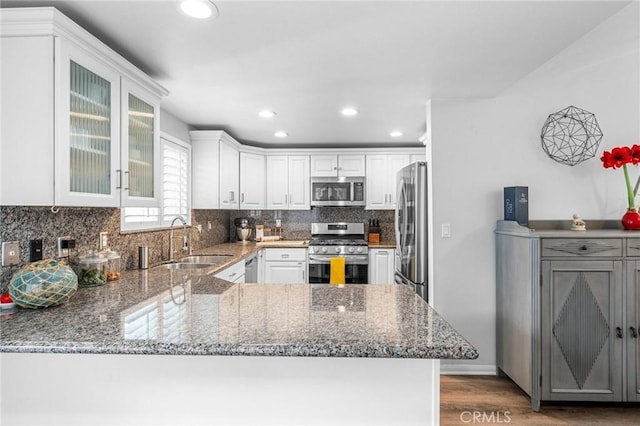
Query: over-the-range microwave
337	191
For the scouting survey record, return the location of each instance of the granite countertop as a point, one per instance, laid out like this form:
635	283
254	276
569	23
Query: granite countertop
383	245
160	311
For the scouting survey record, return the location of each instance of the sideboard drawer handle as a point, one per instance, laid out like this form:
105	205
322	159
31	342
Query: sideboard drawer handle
634	333
583	248
619	332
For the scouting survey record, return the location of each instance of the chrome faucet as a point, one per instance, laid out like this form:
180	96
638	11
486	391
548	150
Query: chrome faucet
185	238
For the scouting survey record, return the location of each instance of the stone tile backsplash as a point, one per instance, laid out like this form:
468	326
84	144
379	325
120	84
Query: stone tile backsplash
208	227
296	224
85	224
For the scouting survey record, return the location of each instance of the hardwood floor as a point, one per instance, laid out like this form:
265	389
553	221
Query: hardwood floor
472	400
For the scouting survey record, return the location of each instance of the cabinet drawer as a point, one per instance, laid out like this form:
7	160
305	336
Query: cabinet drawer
285	254
587	247
633	247
232	273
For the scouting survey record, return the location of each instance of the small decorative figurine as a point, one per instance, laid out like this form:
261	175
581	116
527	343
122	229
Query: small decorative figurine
578	224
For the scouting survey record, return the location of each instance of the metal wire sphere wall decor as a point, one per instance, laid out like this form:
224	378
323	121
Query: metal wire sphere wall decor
571	136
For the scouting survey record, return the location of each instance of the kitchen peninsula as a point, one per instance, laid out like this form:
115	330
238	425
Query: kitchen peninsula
125	353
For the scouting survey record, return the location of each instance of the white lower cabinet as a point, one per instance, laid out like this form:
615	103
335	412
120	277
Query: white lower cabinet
234	273
287	266
381	266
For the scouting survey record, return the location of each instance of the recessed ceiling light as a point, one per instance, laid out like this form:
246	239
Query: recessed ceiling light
266	114
349	111
395	134
280	134
199	9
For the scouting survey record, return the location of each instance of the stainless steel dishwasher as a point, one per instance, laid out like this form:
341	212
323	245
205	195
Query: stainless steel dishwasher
251	269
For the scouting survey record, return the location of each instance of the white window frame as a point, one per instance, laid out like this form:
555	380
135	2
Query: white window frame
158	222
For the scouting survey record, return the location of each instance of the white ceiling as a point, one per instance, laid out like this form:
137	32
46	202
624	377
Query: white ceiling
307	59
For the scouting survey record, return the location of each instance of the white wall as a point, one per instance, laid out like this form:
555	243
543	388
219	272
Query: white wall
174	126
480	146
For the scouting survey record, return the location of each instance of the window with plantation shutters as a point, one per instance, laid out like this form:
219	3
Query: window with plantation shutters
175	192
175	182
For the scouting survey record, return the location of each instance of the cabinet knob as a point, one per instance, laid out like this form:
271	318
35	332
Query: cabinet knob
619	332
634	333
584	248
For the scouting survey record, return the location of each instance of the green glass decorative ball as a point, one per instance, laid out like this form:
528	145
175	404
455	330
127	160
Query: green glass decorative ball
42	284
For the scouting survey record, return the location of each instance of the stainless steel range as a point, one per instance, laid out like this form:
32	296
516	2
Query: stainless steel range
338	240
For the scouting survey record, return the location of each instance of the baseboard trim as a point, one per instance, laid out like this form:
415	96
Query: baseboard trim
468	369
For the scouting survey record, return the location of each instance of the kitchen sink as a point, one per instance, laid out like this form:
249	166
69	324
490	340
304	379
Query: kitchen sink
211	259
196	262
184	266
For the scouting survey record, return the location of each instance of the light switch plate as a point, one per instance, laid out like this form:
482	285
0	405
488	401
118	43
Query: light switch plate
10	253
104	240
446	230
63	252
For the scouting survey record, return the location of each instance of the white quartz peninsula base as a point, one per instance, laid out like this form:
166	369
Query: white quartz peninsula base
100	389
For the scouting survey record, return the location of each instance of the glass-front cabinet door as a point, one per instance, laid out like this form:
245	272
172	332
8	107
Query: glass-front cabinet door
107	135
87	130
140	146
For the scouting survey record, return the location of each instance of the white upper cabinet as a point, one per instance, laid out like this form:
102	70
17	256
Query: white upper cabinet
418	157
80	123
288	182
337	165
229	176
141	153
205	169
299	183
381	183
252	181
87	123
324	165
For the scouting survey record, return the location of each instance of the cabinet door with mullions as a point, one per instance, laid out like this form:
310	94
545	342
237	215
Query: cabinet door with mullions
140	147
87	140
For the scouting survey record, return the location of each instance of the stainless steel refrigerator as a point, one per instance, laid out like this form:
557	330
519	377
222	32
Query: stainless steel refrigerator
411	228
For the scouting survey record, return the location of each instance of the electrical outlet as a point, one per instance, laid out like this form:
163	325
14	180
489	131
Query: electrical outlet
63	247
10	253
104	240
35	250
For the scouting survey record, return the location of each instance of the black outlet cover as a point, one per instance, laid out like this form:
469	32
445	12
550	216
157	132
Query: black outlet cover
35	250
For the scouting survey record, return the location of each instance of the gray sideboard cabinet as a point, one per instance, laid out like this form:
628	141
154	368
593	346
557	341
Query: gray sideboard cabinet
568	311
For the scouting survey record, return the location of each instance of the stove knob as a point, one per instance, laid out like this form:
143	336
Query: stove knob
337	249
359	249
351	249
324	249
316	249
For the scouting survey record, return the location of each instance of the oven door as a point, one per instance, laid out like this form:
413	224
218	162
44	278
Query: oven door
356	269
